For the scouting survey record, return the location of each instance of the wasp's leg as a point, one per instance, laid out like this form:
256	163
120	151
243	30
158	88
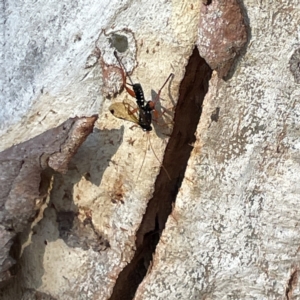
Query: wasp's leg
163	124
156	99
168	111
131	110
129	91
135	125
158	115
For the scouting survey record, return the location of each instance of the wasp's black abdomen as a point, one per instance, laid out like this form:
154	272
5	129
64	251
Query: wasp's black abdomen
145	118
139	94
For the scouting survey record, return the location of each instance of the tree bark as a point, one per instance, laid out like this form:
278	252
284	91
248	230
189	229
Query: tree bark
202	207
25	180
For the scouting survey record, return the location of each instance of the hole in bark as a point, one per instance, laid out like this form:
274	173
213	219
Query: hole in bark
193	88
118	41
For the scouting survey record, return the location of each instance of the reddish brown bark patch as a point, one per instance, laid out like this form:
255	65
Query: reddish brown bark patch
222	34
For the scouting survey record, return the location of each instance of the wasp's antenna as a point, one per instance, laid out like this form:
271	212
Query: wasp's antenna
171	75
122	66
143	158
159	160
158	94
148	141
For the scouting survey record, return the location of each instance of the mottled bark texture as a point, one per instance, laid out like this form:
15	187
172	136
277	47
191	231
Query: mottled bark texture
21	183
222	34
234	224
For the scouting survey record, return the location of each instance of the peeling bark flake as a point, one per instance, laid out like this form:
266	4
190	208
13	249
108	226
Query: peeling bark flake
222	34
22	185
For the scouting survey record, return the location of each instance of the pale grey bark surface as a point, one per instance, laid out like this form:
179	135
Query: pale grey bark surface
233	231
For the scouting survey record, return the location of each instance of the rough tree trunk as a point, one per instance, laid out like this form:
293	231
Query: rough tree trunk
219	219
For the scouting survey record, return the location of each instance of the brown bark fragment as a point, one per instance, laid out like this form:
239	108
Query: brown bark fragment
21	166
295	65
222	34
31	294
292	283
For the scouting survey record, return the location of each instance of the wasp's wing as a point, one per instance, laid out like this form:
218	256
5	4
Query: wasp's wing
125	110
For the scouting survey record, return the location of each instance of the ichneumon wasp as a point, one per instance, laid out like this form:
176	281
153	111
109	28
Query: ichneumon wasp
144	108
140	114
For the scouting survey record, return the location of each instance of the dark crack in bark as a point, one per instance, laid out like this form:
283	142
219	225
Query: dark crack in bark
292	283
